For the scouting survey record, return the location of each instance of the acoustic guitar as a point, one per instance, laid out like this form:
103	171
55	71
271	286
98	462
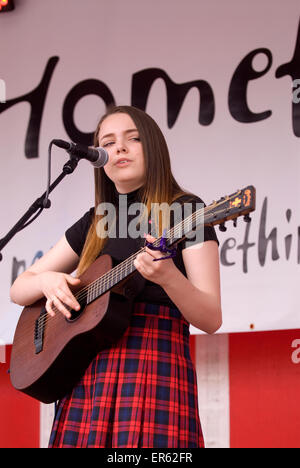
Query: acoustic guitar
50	354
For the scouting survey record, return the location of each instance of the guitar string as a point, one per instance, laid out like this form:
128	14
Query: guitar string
47	317
106	278
104	281
175	231
126	264
43	320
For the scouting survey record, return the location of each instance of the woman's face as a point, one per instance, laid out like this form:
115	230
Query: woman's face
126	165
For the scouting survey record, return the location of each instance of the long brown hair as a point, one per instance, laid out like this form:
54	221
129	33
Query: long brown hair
160	185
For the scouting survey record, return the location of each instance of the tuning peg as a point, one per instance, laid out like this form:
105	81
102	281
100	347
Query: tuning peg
235	222
247	219
222	227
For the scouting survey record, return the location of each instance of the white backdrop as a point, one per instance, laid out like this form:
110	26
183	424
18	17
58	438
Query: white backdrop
195	40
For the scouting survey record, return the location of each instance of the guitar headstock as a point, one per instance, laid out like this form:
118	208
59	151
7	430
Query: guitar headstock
231	207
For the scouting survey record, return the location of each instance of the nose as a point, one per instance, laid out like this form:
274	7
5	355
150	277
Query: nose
121	147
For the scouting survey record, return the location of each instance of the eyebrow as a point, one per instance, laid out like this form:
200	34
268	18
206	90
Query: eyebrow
109	135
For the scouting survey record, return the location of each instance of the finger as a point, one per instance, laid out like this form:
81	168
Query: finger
149	238
48	307
140	267
71	280
153	253
144	258
141	256
67	298
60	307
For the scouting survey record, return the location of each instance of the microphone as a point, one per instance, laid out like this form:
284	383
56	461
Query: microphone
97	156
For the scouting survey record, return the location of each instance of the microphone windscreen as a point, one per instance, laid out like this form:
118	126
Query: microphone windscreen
102	157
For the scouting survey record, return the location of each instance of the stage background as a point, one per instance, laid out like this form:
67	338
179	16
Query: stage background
241	53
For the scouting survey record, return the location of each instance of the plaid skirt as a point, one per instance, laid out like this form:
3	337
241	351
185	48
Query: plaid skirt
140	393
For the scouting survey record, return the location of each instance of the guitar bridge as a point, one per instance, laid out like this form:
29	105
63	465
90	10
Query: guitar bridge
39	330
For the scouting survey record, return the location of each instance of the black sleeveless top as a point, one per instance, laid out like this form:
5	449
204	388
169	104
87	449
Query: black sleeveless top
121	247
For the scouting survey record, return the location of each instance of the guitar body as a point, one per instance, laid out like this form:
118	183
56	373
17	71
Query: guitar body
50	354
68	346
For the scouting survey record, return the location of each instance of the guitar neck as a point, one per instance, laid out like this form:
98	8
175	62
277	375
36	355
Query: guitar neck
240	203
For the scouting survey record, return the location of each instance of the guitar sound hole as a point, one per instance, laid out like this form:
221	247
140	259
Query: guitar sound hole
77	313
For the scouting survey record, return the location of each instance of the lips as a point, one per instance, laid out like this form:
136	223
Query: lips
120	163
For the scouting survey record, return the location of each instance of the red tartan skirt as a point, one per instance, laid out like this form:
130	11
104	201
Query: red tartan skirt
140	393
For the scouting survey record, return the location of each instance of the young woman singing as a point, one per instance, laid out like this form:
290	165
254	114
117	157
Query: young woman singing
141	391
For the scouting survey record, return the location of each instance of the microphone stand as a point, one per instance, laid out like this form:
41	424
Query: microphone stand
38	205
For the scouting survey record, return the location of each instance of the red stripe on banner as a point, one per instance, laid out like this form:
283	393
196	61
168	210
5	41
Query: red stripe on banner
264	389
20	415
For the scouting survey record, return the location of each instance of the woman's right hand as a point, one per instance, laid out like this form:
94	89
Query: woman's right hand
55	287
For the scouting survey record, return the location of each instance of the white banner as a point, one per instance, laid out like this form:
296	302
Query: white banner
222	79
